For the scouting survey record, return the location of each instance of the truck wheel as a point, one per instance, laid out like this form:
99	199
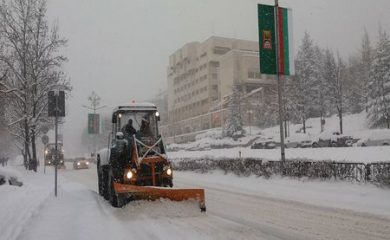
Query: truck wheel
105	184
99	176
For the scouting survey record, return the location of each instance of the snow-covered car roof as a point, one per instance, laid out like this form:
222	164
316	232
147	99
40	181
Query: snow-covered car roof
379	134
299	137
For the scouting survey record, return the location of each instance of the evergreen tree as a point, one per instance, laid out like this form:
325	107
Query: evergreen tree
359	66
301	91
365	67
379	83
234	122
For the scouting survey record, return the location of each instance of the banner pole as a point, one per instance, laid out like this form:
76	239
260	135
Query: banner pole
280	89
56	147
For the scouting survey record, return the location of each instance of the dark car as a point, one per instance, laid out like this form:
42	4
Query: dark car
80	163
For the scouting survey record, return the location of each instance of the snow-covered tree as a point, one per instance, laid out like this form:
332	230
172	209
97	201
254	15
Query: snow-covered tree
233	125
302	90
379	84
267	111
365	67
321	100
356	85
334	73
29	52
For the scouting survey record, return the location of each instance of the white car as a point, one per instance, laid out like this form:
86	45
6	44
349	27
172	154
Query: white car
298	140
377	137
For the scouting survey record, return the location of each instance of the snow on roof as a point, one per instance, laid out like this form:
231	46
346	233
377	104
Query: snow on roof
136	106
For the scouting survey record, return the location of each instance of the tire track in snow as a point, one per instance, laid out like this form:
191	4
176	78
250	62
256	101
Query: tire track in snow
286	219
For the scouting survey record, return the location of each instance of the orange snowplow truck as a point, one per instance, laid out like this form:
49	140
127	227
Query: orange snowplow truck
135	165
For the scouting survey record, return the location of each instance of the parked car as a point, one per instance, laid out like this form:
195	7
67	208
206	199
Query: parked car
306	144
80	163
298	140
326	139
10	177
378	137
345	141
268	143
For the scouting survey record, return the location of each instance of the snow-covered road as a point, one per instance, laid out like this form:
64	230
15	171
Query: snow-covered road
263	211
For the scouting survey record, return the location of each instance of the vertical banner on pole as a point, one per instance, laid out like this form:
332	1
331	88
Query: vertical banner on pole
267	40
93	123
275	50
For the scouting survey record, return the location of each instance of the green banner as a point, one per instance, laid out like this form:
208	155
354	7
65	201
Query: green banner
267	40
93	123
267	48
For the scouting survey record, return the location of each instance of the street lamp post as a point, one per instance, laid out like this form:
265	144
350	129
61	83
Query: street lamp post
94	106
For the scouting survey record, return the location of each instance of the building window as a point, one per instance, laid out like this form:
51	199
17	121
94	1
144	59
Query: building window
220	50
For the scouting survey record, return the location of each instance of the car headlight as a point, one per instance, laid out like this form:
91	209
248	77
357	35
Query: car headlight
78	164
129	174
169	172
46	151
87	163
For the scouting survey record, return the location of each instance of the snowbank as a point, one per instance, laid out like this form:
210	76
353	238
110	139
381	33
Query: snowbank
19	204
345	154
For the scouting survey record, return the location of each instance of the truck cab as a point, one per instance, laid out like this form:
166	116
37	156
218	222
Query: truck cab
50	150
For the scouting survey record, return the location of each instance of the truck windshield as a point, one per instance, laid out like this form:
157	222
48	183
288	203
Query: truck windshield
143	122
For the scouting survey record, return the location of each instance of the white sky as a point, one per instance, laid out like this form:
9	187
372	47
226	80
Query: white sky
120	48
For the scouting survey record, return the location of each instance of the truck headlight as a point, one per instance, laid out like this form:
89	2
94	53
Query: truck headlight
169	172
129	174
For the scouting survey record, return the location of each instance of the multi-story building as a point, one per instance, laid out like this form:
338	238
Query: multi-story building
202	75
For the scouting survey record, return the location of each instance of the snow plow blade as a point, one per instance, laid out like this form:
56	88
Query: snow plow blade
153	193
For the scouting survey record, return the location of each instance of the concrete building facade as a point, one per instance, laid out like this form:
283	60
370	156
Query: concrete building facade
202	74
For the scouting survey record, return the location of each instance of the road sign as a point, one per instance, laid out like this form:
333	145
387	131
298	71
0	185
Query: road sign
45	129
93	123
45	139
56	102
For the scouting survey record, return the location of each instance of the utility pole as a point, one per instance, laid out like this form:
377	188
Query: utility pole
94	100
56	142
280	88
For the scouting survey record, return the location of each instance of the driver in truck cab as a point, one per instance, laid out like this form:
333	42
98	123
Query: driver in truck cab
144	130
128	129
